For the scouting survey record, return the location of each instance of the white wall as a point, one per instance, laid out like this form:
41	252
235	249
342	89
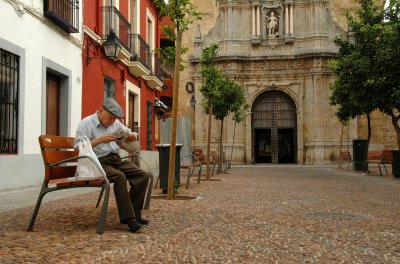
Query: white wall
40	45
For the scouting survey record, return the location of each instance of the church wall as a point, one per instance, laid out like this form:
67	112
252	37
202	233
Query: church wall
294	63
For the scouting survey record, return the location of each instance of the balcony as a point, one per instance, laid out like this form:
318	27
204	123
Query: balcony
113	19
64	13
157	75
139	63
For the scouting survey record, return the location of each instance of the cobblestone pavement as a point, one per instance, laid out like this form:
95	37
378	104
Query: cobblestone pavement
258	214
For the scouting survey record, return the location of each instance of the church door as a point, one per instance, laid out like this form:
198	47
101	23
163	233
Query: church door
274	128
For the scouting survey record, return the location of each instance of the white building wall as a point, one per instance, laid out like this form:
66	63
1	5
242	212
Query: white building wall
41	46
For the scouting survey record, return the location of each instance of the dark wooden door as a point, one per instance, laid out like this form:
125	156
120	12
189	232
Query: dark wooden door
52	104
274	126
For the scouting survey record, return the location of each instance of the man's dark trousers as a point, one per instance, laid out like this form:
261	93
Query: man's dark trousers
130	204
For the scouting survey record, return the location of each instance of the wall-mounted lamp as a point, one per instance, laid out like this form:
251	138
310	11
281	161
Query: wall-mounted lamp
160	108
193	102
111	46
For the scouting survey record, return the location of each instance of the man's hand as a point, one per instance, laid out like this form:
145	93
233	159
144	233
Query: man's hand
106	138
132	137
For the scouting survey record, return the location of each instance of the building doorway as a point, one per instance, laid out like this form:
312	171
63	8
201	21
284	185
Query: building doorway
274	128
52	104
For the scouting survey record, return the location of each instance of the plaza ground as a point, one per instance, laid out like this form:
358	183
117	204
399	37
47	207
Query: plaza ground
254	214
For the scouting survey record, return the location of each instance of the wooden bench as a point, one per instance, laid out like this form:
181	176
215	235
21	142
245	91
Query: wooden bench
198	153
191	162
380	157
345	156
60	159
224	162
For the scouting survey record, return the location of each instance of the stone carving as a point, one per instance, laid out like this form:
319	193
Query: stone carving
272	25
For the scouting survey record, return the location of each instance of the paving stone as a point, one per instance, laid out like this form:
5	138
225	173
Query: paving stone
270	214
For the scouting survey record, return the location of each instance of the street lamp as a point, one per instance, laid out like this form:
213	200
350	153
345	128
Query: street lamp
193	102
111	46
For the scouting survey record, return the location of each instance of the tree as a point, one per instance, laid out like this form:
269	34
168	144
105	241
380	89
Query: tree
182	13
221	96
231	99
238	117
210	89
367	66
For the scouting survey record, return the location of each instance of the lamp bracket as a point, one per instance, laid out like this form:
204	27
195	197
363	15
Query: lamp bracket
91	44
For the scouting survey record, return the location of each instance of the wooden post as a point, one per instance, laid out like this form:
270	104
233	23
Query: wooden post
172	153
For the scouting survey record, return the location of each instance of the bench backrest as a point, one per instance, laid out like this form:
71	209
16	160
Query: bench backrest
386	156
55	149
346	156
374	154
199	155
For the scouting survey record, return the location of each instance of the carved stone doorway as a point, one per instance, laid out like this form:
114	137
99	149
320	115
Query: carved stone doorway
274	128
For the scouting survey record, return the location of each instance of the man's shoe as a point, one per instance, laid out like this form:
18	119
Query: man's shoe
134	226
143	221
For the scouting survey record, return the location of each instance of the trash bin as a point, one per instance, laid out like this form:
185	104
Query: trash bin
359	146
163	155
396	163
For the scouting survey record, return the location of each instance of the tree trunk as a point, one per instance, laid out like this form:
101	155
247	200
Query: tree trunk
396	126
220	146
367	144
233	143
208	144
341	148
172	153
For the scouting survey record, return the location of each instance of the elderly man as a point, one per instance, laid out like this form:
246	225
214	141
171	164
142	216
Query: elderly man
99	128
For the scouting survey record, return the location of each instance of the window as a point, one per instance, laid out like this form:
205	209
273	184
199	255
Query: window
149	142
109	88
9	87
150	32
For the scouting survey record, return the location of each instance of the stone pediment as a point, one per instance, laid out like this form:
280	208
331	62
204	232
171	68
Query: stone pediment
269	29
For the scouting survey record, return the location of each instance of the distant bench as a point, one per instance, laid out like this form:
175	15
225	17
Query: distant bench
380	157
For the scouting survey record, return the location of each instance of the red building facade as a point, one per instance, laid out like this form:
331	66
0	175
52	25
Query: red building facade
133	77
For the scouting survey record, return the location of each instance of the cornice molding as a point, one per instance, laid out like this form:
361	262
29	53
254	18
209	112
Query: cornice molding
18	7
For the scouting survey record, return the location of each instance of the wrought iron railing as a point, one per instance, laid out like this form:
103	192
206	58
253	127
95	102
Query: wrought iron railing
140	50
113	19
65	13
156	67
9	87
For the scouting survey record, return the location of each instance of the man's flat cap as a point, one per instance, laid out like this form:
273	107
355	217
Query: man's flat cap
113	107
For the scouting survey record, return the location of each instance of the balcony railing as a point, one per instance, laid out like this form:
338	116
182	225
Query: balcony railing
156	67
65	13
113	19
140	50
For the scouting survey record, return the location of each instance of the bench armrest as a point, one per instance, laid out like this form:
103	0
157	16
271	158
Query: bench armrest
55	164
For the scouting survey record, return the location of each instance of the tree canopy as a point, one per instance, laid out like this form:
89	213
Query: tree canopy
368	64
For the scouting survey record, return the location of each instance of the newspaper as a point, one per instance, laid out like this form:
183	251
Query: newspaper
121	135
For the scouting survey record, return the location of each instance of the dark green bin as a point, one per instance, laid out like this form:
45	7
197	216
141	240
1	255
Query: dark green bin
359	146
163	155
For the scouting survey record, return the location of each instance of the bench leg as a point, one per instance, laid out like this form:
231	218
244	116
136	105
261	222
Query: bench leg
380	171
99	199
198	178
43	191
103	213
149	191
191	170
385	168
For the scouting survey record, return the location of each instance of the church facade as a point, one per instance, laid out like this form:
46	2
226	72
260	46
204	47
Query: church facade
278	51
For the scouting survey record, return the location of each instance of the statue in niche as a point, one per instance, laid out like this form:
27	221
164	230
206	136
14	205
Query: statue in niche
272	25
